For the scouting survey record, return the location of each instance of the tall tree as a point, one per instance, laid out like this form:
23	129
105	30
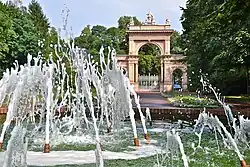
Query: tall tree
89	41
124	21
19	36
123	24
6	34
42	25
83	41
216	38
176	43
39	18
98	30
114	35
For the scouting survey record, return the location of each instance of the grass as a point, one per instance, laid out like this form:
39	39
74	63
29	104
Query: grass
207	156
189	100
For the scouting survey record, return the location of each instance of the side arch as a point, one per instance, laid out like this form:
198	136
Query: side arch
181	80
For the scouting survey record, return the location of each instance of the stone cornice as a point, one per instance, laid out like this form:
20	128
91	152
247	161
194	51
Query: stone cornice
150	31
170	57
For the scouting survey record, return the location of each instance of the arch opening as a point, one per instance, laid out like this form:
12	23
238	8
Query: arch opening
149	66
149	62
177	79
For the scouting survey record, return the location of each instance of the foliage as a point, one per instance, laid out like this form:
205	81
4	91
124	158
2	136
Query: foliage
216	41
124	22
176	43
149	62
93	38
6	33
42	25
39	19
19	36
192	101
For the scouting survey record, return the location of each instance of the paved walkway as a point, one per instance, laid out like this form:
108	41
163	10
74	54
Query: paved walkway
85	157
153	100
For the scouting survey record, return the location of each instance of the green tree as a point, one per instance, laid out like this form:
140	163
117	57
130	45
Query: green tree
123	23
39	19
6	34
98	31
149	62
19	36
93	38
41	23
53	39
114	35
90	41
84	40
216	40
176	43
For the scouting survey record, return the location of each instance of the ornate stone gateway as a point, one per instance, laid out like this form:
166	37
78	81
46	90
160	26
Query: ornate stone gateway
159	35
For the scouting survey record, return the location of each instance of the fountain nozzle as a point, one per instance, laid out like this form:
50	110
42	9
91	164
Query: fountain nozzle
136	141
147	137
46	148
244	164
1	146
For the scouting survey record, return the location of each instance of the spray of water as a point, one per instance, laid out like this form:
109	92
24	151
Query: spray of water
216	125
174	145
59	100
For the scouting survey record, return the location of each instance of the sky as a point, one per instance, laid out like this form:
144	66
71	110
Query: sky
107	12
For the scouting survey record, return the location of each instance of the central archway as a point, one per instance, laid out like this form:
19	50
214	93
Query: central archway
149	67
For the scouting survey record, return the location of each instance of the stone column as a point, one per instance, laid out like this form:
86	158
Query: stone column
167	46
131	71
162	73
130	46
184	80
136	82
136	72
168	78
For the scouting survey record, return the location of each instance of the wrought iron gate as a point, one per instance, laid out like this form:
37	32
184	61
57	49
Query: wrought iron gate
149	82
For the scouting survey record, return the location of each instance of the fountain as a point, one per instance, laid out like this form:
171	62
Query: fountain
87	93
17	148
72	95
173	146
214	123
148	116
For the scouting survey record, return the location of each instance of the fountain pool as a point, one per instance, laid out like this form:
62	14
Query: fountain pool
71	110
